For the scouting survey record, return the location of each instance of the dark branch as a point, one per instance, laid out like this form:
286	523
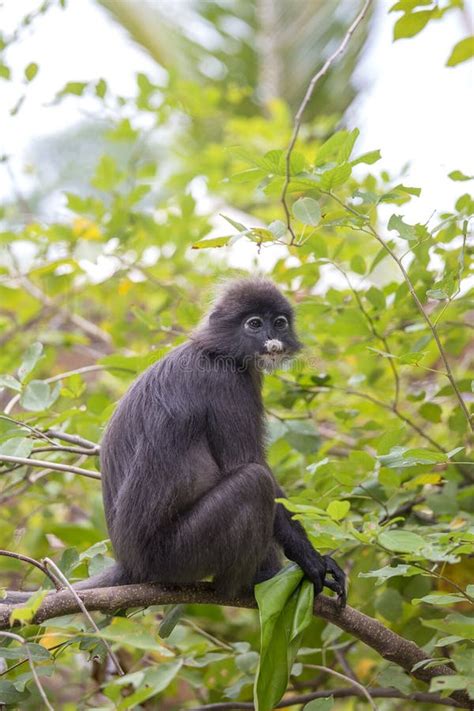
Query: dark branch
375	693
388	644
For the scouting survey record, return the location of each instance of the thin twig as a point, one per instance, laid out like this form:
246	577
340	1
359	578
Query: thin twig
82	323
306	99
49	465
342	693
352	681
207	635
373	329
30	428
85	611
32	561
34	673
73	439
398	413
62	448
449	374
68	374
344	664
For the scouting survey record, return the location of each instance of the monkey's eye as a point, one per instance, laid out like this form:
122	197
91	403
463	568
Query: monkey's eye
280	323
254	323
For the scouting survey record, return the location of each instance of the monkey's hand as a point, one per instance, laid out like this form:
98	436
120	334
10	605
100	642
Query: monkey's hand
325	572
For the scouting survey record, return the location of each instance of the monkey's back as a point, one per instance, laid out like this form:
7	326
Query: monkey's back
156	441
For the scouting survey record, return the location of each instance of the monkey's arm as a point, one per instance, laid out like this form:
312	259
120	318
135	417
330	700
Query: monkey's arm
291	535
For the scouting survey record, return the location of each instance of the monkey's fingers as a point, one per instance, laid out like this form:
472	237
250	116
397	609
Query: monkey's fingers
339	584
340	591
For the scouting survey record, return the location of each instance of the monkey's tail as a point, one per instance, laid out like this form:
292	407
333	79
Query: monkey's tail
114	575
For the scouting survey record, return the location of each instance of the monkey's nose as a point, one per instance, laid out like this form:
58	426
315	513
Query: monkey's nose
273	345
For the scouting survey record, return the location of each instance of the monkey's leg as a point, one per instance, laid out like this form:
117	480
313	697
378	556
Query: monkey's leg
225	534
270	566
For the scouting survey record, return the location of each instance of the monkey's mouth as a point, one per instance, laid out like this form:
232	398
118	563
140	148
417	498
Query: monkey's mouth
268	362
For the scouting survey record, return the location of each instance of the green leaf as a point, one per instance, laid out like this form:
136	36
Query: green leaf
37	652
358	264
31	357
462	51
101	88
147	683
338	510
285	604
238	225
31	71
383	574
389	604
431	411
25	613
335	177
170	620
458	175
17	447
344	152
107	176
278	228
212	242
308	211
132	633
368	158
409	5
437	294
320	704
245	176
404	230
411	24
38	395
439	599
454	682
402	457
76	88
8	381
401	541
376	298
9	694
454	624
395	677
123	132
337	148
5	72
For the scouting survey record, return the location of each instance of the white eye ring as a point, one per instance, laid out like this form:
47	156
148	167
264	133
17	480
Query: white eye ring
283	323
254	323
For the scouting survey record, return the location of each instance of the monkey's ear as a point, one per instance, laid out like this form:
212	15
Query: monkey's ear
216	314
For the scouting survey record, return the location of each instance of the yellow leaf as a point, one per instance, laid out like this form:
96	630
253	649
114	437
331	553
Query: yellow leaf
124	287
423	479
85	228
364	667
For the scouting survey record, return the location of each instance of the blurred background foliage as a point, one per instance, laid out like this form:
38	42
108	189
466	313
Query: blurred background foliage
99	278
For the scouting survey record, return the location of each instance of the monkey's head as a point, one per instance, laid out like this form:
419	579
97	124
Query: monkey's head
252	322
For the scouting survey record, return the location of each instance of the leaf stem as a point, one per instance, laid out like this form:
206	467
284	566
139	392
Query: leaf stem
306	99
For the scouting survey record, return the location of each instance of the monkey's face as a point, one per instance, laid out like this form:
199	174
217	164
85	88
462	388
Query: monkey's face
251	323
269	338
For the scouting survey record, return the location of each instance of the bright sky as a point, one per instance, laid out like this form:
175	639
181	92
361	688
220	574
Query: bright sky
413	108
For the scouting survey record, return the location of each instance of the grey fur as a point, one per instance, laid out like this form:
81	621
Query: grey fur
187	490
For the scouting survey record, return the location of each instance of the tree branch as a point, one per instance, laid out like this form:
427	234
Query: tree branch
306	99
375	693
387	643
432	326
44	464
68	374
31	561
